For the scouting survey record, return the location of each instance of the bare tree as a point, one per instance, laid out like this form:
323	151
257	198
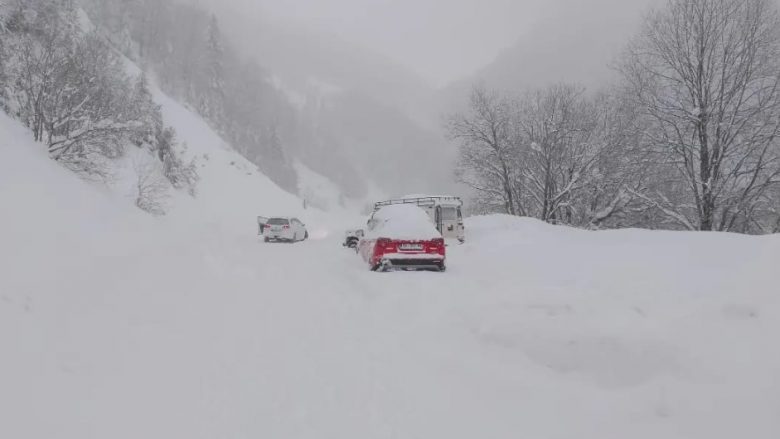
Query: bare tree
618	169
89	105
71	90
556	129
487	153
44	40
705	74
553	154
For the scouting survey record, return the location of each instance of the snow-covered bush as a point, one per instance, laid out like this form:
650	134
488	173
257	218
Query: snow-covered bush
180	174
151	185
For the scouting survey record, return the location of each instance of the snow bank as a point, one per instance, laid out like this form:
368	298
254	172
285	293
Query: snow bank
665	334
402	221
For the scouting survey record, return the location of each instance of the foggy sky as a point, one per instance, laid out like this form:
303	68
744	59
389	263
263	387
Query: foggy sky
441	40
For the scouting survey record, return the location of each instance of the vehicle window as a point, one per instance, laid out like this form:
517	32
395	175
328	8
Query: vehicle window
449	213
278	221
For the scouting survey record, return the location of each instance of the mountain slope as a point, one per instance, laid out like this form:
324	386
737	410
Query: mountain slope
357	105
570	43
305	59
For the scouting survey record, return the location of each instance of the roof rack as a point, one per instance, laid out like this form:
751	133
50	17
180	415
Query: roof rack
421	201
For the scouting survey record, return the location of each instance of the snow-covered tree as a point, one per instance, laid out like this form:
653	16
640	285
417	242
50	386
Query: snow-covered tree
180	174
72	90
488	152
42	40
607	198
148	114
552	154
556	131
574	153
3	57
705	74
151	186
212	103
90	106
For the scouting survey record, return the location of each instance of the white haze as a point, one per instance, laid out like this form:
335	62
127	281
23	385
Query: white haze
442	40
438	39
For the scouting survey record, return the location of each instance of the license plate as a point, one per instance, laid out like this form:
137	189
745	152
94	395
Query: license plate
410	247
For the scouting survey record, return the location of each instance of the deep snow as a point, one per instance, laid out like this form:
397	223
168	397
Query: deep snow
402	221
114	324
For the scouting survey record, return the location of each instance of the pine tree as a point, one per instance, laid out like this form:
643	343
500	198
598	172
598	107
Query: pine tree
212	102
3	14
148	114
275	162
275	148
3	57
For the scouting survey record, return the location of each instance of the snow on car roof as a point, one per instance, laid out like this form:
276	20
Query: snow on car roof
426	196
443	200
402	221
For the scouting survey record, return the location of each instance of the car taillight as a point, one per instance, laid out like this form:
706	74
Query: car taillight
379	246
437	246
384	245
285	226
267	226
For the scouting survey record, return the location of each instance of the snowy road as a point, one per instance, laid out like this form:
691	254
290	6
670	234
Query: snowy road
237	338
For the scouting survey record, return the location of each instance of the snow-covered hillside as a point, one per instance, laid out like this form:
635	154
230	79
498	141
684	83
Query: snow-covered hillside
114	324
232	190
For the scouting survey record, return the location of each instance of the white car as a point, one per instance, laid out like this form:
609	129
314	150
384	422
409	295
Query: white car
284	229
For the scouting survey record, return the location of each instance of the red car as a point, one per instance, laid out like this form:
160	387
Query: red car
402	237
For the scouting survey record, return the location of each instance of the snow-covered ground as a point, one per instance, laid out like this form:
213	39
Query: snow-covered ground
114	324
